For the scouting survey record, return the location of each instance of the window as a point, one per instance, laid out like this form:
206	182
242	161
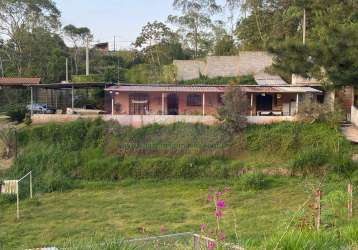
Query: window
193	100
138	104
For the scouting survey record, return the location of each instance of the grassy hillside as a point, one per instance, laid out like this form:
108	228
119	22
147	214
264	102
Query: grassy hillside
59	154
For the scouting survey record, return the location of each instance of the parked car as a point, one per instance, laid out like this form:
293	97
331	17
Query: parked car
38	108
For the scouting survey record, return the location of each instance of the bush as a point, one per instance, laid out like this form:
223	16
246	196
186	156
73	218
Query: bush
309	161
89	78
241	80
28	120
255	181
16	113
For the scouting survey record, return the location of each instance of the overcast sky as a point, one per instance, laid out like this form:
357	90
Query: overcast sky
108	18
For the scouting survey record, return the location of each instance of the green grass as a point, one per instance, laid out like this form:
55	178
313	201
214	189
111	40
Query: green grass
110	209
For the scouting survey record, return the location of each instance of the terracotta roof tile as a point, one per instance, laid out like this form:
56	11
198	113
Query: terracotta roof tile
16	81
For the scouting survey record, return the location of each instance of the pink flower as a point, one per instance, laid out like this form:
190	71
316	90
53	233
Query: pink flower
218	213
218	194
202	227
210	198
211	245
162	229
227	189
221	236
220	204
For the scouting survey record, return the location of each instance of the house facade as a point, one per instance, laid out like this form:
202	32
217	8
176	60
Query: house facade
205	100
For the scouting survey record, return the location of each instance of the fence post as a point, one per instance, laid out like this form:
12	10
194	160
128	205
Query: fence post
196	242
318	208
31	184
350	200
17	201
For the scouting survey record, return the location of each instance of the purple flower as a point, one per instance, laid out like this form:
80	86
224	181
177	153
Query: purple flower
211	245
218	213
202	227
220	204
210	198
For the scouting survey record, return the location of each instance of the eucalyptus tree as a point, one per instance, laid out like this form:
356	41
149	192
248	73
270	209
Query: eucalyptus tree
78	36
195	22
19	18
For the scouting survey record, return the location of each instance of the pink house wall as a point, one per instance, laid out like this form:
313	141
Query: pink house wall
121	104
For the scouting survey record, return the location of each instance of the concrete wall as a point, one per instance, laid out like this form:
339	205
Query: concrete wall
246	63
142	120
354	116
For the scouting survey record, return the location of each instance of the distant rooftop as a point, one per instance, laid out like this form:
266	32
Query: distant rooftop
19	81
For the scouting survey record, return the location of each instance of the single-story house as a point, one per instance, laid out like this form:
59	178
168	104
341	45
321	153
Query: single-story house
160	99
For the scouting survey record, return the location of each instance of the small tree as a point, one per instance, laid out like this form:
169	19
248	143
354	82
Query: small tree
234	110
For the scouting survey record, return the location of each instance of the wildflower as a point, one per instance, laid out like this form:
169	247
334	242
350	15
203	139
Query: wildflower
221	236
218	194
218	213
162	229
210	198
211	245
227	189
202	227
220	204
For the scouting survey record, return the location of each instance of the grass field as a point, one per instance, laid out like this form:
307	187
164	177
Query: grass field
129	208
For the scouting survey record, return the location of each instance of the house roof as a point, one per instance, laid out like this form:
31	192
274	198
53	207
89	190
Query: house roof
167	88
264	79
279	89
19	81
210	88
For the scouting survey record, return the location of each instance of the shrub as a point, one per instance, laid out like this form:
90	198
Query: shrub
255	181
16	113
309	161
89	78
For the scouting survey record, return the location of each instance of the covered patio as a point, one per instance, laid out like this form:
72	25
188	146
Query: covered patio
278	100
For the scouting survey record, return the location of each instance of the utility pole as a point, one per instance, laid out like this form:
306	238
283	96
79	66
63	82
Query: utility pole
304	26
87	58
66	70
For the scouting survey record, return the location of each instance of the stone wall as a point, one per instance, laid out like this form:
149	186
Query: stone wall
246	63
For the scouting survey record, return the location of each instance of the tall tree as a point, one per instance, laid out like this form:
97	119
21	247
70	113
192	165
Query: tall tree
152	37
195	22
21	17
78	36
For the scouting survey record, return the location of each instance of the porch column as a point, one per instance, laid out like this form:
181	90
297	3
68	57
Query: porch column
32	101
252	104
203	103
163	106
297	97
112	96
73	97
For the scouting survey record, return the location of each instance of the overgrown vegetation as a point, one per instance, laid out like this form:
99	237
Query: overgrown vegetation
60	154
239	80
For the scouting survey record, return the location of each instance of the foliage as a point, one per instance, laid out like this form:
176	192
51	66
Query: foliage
146	73
234	110
87	79
16	113
8	140
240	80
253	181
225	46
194	23
79	36
316	112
